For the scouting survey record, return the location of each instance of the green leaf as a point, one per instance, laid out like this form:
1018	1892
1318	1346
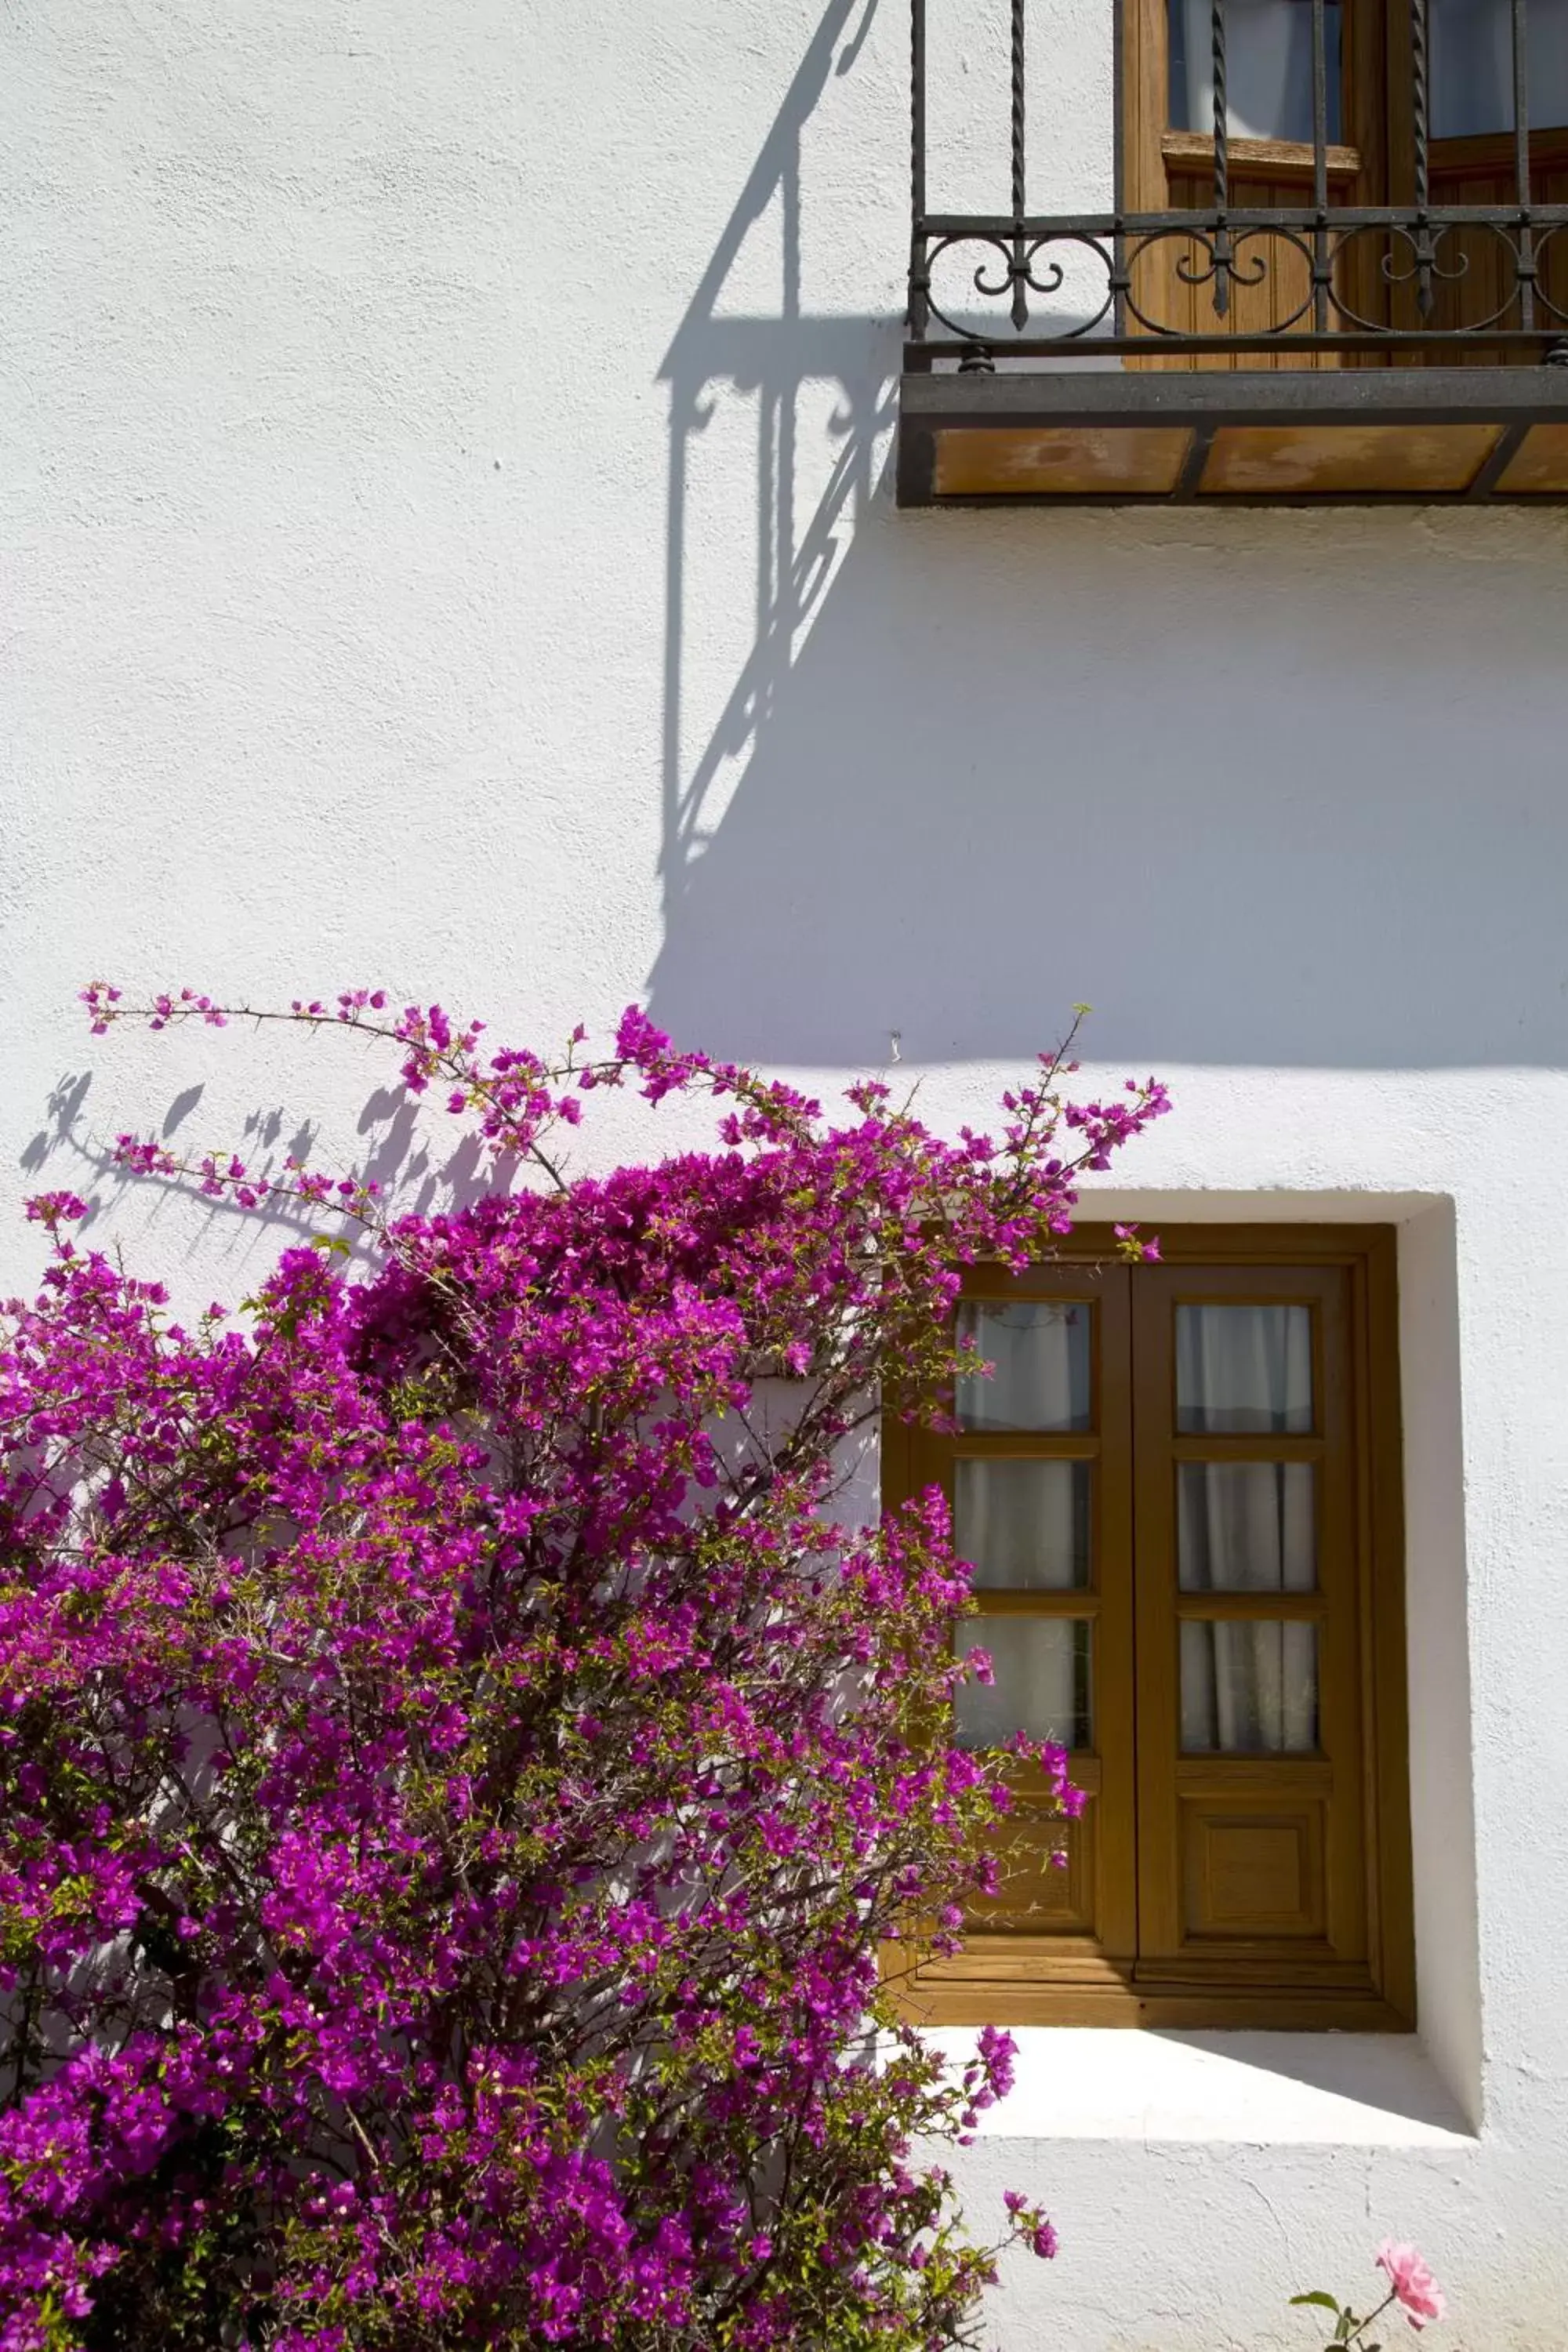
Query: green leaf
1329	2302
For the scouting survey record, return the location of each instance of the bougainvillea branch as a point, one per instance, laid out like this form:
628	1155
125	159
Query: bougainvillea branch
459	1776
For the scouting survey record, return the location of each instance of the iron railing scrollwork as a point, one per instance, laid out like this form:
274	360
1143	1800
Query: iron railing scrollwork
1425	275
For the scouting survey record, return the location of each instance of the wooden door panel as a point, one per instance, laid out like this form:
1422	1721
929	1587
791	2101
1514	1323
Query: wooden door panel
1479	170
1480	284
1253	1871
1077	1919
1038	1894
1209	1817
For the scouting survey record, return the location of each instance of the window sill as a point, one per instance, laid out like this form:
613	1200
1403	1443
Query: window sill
1279	159
1252	2089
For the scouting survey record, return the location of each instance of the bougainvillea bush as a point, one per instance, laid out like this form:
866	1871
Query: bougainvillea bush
457	1779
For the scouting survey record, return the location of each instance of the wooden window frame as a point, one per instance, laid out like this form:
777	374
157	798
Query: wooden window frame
1134	1968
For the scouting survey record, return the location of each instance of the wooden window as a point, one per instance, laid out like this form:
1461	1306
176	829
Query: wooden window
1167	129
1181	1495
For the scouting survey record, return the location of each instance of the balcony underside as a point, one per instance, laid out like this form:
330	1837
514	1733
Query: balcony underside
1341	436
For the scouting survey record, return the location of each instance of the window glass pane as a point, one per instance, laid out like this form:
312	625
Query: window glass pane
1039	1350
1472	66
1249	1689
1268	66
1246	1526
1023	1524
1244	1368
1042	1668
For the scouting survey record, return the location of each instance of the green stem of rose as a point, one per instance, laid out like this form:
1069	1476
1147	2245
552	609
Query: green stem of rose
1372	2317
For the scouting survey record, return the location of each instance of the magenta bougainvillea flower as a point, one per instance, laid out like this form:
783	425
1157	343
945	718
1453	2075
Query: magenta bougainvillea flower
468	1788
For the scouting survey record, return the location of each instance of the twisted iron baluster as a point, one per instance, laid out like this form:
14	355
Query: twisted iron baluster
1418	94
1019	269
1319	166
920	271
1222	254
1526	261
1419	105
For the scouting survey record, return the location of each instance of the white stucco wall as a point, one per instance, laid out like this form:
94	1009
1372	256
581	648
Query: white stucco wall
446	540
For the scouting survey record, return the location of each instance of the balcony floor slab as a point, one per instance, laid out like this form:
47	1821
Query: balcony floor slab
1275	436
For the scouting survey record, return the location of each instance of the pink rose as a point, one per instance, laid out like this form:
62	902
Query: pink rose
1412	2282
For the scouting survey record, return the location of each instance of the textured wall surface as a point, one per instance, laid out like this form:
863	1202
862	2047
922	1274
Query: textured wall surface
447	541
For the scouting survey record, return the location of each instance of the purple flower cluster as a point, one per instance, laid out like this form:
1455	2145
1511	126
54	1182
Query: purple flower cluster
468	1811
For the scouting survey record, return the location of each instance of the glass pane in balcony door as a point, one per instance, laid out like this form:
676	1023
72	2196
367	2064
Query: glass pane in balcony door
1042	1668
1269	68
1040	1351
1243	1371
1472	66
1246	1526
1249	1689
1024	1525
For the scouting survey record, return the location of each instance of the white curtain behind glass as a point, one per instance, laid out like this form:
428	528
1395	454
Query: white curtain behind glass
1472	66
1269	68
1023	1524
1042	1668
1245	1527
1244	1368
1039	1354
1249	1689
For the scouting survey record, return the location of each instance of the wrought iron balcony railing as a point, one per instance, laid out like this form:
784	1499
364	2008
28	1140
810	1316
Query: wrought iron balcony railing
1399	219
1420	251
